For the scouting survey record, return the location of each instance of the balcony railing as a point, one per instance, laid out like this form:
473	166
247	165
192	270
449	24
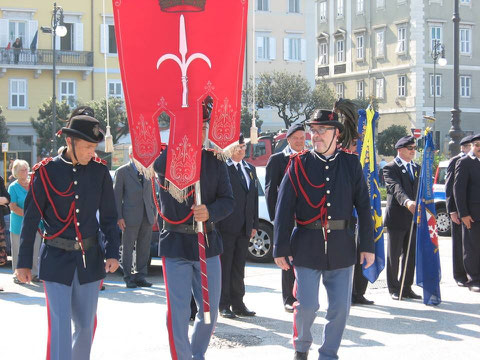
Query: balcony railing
45	57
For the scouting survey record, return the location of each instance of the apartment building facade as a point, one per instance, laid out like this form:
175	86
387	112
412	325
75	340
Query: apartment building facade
384	49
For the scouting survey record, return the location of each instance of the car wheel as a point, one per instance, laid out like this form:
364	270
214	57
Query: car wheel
443	221
260	247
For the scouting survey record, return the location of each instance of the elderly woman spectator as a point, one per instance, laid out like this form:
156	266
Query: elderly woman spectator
18	192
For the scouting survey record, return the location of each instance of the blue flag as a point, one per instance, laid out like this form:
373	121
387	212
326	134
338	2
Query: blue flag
366	149
428	258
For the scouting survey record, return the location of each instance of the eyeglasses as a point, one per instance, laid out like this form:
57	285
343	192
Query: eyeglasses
411	147
321	130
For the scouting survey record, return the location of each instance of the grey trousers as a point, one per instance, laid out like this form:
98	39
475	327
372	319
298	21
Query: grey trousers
64	304
139	237
338	284
182	277
15	240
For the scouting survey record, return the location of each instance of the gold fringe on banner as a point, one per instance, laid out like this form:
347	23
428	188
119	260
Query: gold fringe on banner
148	173
177	194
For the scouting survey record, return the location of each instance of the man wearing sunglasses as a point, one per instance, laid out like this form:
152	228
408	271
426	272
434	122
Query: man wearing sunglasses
466	190
401	179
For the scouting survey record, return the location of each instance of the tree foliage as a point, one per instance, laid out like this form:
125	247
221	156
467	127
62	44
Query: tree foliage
321	97
246	121
387	138
43	125
117	115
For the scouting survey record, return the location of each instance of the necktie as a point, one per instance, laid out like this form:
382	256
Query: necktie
409	168
242	177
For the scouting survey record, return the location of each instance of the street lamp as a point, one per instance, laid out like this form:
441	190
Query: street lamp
58	28
438	55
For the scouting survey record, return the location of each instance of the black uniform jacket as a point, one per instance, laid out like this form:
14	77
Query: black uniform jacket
276	166
400	188
449	181
216	195
245	213
345	189
92	190
466	188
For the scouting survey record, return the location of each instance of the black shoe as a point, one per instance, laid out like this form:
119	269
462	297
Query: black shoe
474	287
288	308
227	314
395	296
244	312
300	355
143	283
36	279
361	300
130	284
102	288
461	283
409	294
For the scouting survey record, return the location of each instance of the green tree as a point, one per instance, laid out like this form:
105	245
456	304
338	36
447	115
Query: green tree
246	121
43	125
321	97
387	138
117	116
288	93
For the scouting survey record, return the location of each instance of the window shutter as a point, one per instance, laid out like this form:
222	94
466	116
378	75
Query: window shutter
103	30
260	51
286	48
78	32
32	29
3	33
303	50
273	48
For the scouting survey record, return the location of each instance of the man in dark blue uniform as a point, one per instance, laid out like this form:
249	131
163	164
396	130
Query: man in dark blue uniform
179	252
459	273
66	193
401	179
274	172
466	190
321	189
236	231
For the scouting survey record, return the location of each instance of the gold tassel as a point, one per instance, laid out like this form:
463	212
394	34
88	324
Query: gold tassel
253	133
108	141
177	194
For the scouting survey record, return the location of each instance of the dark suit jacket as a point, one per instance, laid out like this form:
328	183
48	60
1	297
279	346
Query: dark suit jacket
245	211
399	189
466	188
273	177
449	181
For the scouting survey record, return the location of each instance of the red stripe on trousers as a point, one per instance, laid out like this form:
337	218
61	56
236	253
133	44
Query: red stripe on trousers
173	350
49	322
95	320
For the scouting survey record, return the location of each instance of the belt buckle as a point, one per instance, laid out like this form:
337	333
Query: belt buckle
76	246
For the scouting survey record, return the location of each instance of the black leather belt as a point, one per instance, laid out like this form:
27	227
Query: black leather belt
72	245
331	225
186	228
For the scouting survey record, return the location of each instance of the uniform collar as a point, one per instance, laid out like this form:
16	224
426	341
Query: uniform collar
400	162
472	155
289	151
323	158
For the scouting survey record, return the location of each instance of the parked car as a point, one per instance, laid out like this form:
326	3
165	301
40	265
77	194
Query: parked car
443	218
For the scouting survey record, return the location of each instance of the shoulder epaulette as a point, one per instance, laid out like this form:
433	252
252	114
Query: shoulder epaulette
44	162
98	160
348	151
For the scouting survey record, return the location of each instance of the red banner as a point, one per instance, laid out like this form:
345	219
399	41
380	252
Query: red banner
174	53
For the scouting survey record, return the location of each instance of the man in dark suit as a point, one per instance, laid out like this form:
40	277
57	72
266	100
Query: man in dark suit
401	179
274	172
459	273
236	230
466	190
136	215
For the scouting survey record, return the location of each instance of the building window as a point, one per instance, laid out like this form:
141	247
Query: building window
339	8
380	4
263	5
68	92
379	88
360	48
294	6
339	89
66	42
465	86
340	51
435	35
360	6
323	11
437	86
402	86
294	49
465	41
17	29
18	94
323	54
380	44
110	43
465	2
360	89
401	40
265	48
115	88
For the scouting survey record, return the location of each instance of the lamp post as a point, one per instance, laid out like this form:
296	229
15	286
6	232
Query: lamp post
57	29
455	132
438	55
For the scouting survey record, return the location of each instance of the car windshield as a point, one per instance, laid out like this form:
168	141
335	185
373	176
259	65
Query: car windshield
441	175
